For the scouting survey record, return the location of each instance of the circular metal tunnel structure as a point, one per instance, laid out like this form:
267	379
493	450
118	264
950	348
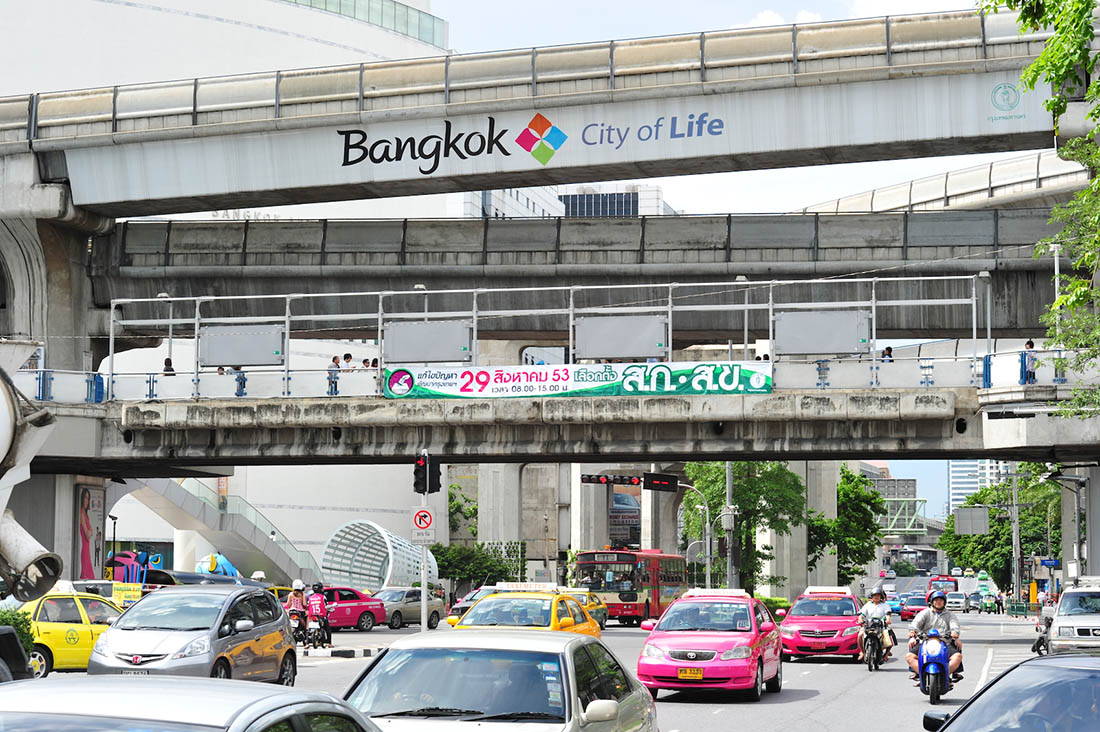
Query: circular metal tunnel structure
364	555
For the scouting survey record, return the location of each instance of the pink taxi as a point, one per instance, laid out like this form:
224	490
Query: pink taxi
822	621
712	639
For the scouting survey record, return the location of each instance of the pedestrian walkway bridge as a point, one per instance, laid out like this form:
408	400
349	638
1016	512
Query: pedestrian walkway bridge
841	91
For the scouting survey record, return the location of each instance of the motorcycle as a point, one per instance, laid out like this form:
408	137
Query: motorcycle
933	658
872	643
315	633
298	626
1042	643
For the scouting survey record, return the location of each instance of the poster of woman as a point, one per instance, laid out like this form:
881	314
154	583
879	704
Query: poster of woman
89	533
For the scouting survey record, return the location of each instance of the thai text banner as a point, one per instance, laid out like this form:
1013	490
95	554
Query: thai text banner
570	380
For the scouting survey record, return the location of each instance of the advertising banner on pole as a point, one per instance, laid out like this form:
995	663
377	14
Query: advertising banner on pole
572	380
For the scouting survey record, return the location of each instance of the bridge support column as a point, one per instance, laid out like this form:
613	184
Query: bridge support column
1090	501
500	502
588	511
659	520
187	548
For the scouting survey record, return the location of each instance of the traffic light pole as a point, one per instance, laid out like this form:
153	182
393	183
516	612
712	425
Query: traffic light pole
423	577
731	580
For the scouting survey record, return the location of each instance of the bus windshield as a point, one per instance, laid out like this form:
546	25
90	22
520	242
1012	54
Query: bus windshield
945	584
607	576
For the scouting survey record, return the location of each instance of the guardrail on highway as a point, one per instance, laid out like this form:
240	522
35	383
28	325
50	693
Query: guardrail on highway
926	43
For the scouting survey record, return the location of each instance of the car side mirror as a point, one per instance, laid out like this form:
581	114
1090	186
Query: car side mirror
602	710
243	626
649	624
567	623
934	720
452	620
767	627
112	621
781	613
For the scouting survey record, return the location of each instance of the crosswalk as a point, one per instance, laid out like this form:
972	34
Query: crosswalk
1002	658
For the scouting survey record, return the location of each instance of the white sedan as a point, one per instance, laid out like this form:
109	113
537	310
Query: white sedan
445	681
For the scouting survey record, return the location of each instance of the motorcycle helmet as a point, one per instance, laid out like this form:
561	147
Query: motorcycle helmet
298	585
877	590
318	587
938	593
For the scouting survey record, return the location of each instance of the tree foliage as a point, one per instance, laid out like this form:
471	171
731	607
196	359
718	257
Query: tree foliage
1065	65
470	564
767	496
1040	525
461	510
904	568
854	534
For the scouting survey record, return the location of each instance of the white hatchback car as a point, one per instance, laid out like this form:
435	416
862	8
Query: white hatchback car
511	678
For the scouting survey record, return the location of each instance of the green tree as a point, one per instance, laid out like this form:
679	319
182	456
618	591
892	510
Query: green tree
767	496
461	509
904	568
1066	63
854	534
470	564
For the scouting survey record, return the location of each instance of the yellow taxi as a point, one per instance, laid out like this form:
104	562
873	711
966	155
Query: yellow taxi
65	626
544	608
590	601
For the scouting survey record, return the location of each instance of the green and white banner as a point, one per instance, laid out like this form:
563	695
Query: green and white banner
568	380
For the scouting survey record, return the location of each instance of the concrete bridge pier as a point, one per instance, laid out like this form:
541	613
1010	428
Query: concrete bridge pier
659	530
588	509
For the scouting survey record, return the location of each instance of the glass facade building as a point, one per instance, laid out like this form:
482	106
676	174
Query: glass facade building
387	14
600	204
966	477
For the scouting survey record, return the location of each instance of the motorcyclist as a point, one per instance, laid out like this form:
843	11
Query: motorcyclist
318	611
938	617
876	607
296	600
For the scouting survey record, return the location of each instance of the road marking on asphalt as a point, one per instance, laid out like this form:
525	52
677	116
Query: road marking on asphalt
1002	659
984	675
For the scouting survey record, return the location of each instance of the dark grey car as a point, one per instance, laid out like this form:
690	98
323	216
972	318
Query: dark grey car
227	631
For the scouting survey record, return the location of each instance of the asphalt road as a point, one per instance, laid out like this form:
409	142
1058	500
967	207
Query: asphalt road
818	694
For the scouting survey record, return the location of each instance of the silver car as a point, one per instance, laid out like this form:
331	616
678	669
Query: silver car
226	631
511	678
403	606
109	704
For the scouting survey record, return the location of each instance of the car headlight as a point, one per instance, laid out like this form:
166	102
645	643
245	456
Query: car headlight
787	632
738	652
651	651
1063	631
851	631
100	647
196	647
933	647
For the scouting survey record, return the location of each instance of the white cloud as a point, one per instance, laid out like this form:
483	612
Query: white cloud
765	17
807	16
877	8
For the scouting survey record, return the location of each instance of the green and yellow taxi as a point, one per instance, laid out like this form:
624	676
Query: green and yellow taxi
547	610
66	626
592	604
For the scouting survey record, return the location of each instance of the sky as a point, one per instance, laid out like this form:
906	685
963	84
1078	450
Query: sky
483	25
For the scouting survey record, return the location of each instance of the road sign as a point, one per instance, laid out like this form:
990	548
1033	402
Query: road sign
423	526
1056	563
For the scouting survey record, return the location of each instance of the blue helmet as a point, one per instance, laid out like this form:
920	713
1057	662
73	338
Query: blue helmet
937	593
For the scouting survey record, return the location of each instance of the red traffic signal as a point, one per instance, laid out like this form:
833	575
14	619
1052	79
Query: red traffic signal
661	482
612	479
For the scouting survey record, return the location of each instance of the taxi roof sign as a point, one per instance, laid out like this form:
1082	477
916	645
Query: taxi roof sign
827	590
527	586
717	592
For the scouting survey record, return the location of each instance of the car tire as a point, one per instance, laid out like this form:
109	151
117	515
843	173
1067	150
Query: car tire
221	670
775	683
433	621
602	622
395	620
288	670
41	662
5	672
654	692
785	658
757	691
365	623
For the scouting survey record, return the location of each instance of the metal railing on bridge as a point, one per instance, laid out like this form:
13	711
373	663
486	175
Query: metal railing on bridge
924	43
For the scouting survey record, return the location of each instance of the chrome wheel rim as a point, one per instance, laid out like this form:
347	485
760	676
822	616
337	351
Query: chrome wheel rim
37	663
286	675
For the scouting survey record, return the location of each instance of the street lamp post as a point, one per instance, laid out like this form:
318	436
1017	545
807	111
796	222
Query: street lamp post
1078	483
114	533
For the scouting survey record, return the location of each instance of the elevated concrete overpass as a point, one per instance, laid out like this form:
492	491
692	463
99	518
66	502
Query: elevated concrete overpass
939	84
192	259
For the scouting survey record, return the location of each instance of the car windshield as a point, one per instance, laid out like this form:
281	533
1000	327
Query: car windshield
1036	698
172	611
607	576
807	607
955	595
463	684
522	611
36	721
581	598
1079	603
389	595
714	616
915	602
945	585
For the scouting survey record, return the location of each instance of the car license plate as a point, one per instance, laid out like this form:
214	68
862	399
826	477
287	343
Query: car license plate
689	673
134	672
314	624
818	645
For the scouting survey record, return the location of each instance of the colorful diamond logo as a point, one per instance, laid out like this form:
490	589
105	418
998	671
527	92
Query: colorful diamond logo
541	138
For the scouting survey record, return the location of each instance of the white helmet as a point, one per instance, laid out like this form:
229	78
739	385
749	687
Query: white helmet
298	585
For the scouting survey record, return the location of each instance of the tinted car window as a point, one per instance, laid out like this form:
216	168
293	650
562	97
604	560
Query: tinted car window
59	610
241	610
1035	698
614	678
99	612
562	610
412	596
330	595
346	595
263	612
330	723
589	687
173	611
574	608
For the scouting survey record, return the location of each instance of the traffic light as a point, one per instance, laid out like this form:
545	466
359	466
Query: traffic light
426	474
660	482
611	479
420	473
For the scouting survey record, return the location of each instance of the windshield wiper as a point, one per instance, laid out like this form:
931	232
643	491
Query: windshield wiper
517	715
432	712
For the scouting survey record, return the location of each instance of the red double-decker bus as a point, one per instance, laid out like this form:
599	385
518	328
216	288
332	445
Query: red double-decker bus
634	585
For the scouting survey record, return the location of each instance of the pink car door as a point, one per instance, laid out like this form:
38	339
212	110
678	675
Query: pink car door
337	610
770	641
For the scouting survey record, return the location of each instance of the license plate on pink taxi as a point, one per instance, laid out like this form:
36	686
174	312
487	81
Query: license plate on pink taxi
689	673
818	645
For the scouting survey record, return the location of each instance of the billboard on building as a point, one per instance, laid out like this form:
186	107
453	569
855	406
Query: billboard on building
88	547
